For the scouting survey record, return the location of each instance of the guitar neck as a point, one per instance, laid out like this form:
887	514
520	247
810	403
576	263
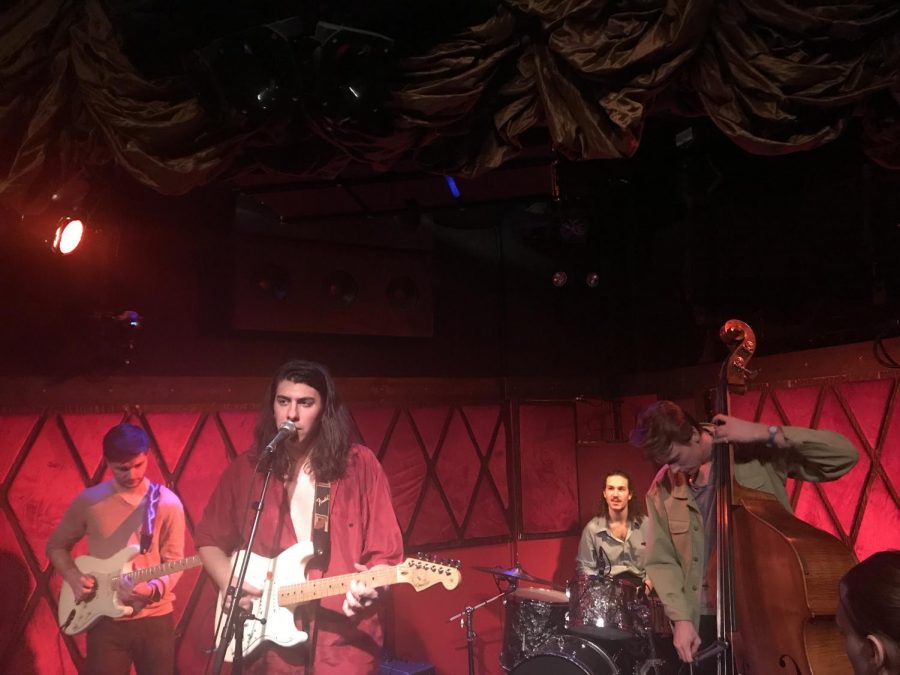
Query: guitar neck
161	570
294	594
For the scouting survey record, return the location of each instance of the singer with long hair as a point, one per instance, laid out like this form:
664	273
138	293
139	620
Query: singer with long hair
306	434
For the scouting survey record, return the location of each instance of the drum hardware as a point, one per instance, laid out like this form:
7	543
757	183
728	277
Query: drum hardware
466	621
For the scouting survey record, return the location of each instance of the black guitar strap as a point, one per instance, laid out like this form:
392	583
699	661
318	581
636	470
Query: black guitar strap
149	517
321	537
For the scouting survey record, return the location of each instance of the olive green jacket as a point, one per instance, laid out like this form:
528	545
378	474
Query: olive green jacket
676	537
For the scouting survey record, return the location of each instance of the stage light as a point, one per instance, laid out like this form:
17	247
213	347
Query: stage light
559	279
255	72
592	279
451	185
68	235
350	69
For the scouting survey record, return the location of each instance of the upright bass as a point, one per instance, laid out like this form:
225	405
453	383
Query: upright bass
777	576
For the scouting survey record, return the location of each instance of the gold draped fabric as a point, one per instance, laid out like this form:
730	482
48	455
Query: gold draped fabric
774	76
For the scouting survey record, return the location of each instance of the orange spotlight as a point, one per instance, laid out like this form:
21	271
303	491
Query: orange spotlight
68	235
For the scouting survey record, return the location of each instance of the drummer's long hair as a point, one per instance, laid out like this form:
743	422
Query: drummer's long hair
636	510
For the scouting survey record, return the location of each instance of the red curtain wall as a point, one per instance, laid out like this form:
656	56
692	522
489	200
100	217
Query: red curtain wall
486	483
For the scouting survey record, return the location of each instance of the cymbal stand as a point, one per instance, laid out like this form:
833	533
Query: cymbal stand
466	621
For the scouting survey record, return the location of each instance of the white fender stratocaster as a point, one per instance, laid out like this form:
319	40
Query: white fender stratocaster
75	617
280	580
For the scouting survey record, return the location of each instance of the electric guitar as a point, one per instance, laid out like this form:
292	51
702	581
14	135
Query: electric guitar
280	580
76	617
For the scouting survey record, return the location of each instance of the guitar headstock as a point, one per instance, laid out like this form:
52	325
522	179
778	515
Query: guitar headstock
425	571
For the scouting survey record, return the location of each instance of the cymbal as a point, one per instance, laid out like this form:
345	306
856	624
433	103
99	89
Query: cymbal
514	573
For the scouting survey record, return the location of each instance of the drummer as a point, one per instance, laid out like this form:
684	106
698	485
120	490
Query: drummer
614	541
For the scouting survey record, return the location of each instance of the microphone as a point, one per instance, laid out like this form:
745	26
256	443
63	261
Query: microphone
286	430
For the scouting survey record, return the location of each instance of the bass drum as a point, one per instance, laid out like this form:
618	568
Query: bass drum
567	655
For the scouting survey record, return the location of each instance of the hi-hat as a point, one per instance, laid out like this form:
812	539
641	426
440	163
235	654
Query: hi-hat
514	573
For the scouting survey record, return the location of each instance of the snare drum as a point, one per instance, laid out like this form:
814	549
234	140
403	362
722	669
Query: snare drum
533	615
607	608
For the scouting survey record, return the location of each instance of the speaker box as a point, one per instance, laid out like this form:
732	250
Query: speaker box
308	286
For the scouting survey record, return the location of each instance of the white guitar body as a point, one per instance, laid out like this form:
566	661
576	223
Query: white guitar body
284	586
75	617
267	575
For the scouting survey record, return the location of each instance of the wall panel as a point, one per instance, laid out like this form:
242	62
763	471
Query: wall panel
457	479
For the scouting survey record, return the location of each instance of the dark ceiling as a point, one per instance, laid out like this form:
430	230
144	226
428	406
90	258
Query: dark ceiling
688	231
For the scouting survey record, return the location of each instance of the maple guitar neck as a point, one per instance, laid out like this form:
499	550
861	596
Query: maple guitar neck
420	574
316	589
161	570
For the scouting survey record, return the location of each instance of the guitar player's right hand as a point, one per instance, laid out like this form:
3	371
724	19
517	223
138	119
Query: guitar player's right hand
82	585
247	597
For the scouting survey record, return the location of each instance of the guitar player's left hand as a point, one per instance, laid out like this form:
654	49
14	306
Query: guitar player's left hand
136	595
360	597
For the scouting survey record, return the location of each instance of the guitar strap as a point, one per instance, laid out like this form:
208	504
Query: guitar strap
149	517
321	537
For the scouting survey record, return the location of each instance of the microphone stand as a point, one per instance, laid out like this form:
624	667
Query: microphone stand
234	623
466	622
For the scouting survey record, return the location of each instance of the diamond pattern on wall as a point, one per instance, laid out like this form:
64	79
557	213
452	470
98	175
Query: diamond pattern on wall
405	466
487	426
432	524
374	426
447	466
171	434
430	423
812	508
238	429
14	431
46	481
201	471
868	404
86	432
880	527
798	405
458	466
862	498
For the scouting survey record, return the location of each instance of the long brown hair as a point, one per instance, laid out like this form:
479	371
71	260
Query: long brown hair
328	455
636	511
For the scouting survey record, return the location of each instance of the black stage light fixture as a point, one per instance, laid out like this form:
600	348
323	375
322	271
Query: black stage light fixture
350	75
253	73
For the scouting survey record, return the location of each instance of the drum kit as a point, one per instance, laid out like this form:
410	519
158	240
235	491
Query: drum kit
598	625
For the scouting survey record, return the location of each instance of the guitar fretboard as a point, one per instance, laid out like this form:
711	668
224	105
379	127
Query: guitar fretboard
161	570
294	594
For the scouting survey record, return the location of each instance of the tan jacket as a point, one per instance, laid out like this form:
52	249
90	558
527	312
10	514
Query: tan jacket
676	536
